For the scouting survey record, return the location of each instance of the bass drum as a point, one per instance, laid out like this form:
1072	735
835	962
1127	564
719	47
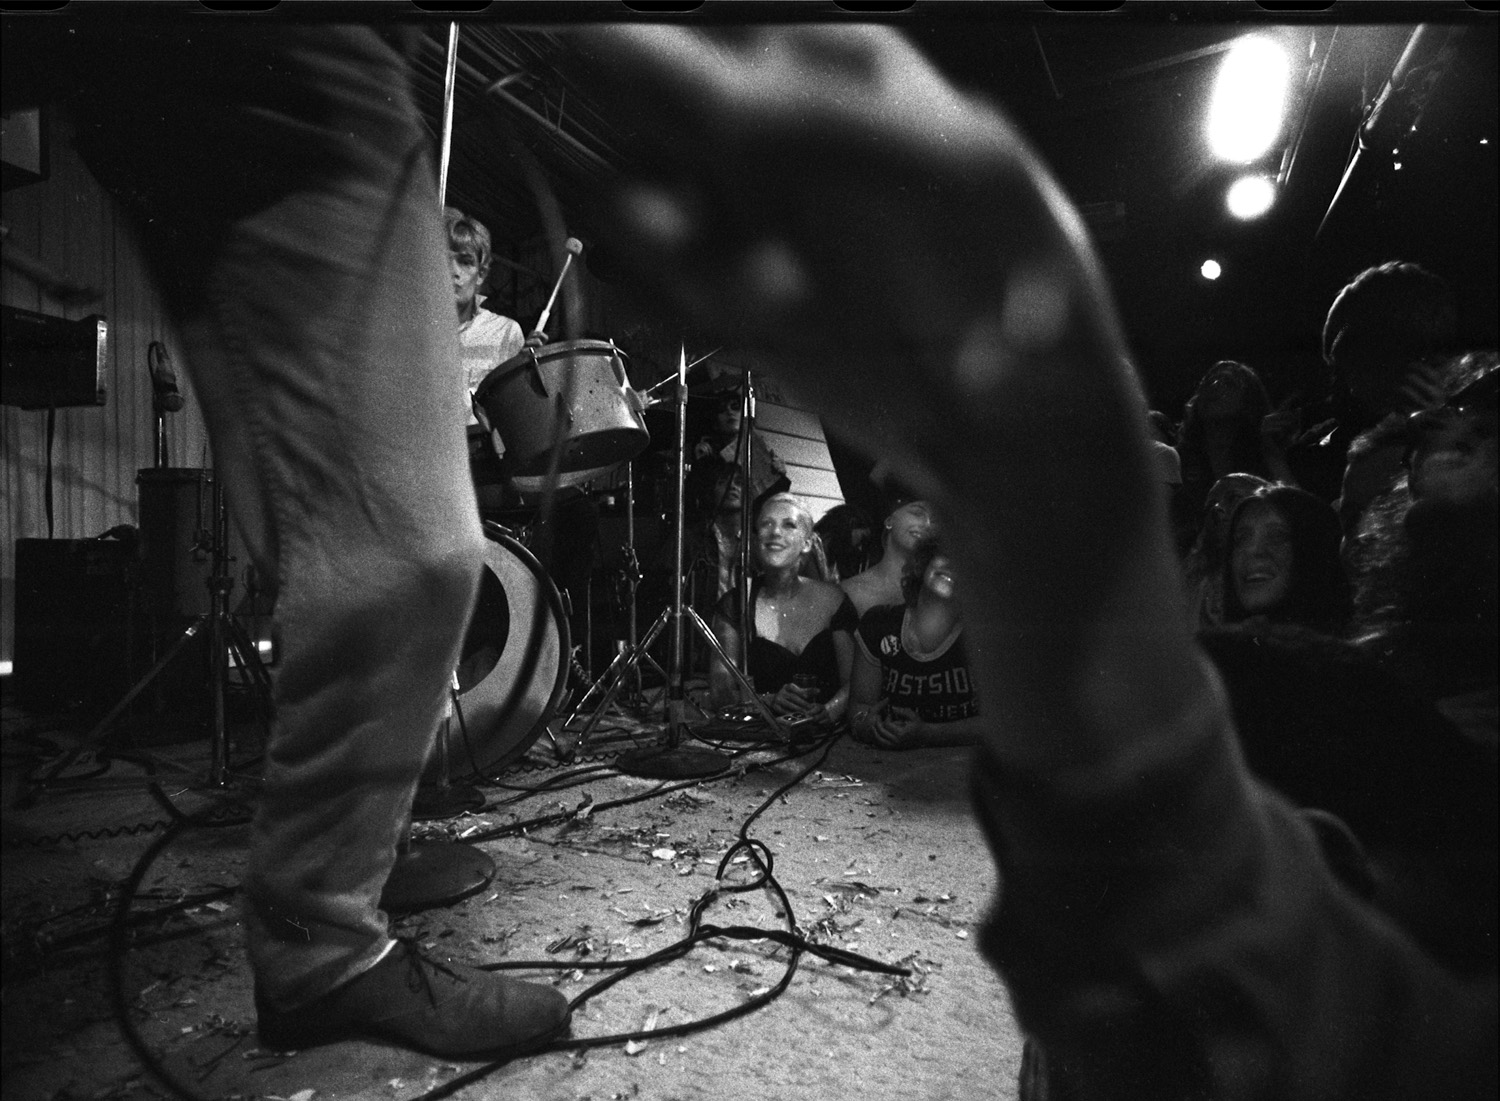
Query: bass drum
513	670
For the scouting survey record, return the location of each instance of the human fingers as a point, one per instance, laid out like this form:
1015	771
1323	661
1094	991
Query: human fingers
894	738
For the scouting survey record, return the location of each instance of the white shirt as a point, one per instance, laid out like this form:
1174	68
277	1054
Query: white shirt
486	340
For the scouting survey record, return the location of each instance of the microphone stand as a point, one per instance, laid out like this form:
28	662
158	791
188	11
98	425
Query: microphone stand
747	507
225	641
675	761
633	574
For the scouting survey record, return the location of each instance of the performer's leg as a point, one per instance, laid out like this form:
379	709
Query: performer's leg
321	342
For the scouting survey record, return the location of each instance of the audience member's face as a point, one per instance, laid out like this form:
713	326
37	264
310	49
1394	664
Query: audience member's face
1223	498
467	273
1261	557
780	536
727	419
727	490
1223	395
938	580
909	525
1453	456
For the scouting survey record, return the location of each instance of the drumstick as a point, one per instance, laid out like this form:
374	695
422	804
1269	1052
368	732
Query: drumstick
574	247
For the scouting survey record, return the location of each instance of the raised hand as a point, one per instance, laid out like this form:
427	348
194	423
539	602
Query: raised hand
821	193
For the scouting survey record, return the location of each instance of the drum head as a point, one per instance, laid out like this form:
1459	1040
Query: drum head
513	670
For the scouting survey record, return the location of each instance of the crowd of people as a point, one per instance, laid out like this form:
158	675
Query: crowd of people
1203	893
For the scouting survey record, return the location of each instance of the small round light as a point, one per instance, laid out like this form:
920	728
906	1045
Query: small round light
1210	270
1250	196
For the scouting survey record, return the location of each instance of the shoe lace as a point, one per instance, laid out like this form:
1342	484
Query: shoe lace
418	963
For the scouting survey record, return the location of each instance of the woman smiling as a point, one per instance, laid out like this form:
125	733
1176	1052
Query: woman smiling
801	643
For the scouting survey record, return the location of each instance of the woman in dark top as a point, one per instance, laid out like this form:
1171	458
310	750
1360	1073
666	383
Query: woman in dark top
801	643
911	687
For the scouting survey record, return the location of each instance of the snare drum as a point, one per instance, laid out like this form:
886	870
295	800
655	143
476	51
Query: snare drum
513	670
582	382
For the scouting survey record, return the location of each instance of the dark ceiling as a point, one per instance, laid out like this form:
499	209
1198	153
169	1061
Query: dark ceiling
1115	107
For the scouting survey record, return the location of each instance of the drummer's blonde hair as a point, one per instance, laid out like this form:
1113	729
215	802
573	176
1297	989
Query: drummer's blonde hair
467	232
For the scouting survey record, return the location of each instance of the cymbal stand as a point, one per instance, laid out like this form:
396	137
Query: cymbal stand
632	574
676	760
743	456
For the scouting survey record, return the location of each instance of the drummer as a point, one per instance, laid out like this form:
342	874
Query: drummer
486	338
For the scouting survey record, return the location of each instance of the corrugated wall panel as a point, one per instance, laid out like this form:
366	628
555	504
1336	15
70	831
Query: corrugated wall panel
70	225
796	434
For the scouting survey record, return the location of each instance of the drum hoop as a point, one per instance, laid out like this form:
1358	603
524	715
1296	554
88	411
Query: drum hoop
550	598
562	347
497	533
533	357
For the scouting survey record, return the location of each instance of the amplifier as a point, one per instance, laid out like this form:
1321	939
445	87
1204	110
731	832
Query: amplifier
51	362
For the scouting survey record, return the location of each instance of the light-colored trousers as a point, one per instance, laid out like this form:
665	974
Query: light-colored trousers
285	189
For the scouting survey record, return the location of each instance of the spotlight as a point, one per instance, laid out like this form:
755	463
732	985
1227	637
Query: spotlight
1210	270
1250	197
1249	100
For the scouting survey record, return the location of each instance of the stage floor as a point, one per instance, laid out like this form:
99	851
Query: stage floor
876	851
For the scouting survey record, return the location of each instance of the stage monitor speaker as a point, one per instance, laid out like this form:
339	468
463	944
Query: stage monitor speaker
72	621
51	362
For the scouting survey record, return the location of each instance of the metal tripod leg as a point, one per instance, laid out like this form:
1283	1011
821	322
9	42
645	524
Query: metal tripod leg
95	737
615	674
713	642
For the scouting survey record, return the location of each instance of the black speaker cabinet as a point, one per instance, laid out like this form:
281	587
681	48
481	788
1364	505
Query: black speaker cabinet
72	621
51	362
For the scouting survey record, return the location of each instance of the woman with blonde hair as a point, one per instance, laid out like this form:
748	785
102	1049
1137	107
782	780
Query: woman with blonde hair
800	648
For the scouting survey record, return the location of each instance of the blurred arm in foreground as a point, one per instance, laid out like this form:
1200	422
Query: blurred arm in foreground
1167	927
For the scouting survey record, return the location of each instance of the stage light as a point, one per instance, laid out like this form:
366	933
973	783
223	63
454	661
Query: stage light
1210	270
1250	197
1249	100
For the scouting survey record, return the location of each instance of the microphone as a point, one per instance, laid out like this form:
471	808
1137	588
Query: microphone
165	397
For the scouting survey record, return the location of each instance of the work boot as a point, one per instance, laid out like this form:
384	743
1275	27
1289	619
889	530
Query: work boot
445	1009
